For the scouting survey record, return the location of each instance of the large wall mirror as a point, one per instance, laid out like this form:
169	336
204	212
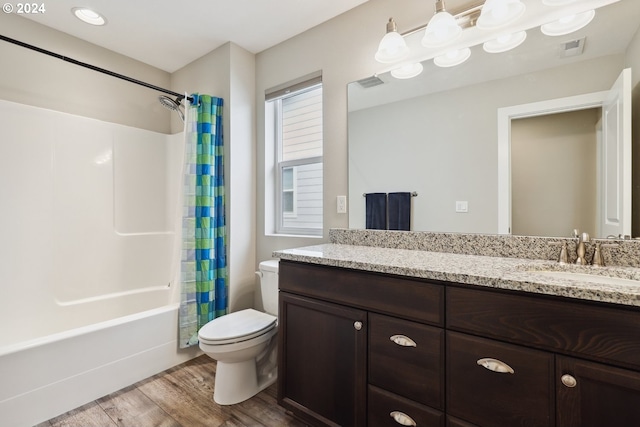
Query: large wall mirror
438	133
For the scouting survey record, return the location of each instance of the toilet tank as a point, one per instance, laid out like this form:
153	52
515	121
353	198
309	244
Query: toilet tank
269	285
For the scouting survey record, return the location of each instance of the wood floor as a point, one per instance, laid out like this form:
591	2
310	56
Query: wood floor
178	397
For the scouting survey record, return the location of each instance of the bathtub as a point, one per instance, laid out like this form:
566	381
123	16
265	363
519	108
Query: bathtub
88	293
46	376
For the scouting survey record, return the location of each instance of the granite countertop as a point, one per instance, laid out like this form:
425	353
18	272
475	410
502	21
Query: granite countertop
495	272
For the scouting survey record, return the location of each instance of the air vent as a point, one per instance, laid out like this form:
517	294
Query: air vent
370	82
572	48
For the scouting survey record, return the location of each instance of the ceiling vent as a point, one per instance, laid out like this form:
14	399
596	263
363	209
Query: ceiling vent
370	82
572	48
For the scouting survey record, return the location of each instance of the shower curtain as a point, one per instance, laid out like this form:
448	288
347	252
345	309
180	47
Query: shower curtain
203	266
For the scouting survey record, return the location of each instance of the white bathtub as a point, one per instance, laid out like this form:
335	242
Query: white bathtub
88	261
44	377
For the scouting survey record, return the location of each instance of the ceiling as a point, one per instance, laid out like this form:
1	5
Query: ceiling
169	34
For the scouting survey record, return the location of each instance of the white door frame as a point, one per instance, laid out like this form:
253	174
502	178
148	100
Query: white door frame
505	115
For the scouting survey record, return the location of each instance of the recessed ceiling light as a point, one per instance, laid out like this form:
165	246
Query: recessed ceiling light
89	16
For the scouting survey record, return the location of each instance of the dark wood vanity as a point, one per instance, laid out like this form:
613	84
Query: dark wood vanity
358	348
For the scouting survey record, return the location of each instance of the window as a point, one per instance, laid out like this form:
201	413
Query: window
295	130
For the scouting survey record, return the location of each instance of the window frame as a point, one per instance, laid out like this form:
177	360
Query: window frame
276	99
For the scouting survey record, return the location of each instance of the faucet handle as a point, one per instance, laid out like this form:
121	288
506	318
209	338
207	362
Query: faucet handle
563	258
598	259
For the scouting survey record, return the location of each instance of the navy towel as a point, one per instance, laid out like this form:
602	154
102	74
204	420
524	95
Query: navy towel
400	211
376	211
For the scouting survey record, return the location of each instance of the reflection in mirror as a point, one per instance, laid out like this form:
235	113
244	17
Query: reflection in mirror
437	134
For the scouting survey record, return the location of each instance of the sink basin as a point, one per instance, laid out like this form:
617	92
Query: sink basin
586	277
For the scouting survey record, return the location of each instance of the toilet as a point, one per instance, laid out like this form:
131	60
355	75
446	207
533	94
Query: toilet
244	344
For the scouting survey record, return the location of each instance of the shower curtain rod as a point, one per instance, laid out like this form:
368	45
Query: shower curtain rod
94	68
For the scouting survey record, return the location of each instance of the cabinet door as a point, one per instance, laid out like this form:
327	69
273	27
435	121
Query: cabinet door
493	384
322	361
595	395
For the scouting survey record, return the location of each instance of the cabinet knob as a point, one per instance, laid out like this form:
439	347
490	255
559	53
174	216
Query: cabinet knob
495	365
357	325
569	380
402	418
403	341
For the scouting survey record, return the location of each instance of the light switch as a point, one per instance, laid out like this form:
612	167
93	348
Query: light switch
342	204
462	206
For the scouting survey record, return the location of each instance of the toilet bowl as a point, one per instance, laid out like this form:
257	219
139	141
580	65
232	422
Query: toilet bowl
244	344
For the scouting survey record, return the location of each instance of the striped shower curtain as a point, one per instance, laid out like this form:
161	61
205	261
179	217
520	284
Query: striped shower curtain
203	271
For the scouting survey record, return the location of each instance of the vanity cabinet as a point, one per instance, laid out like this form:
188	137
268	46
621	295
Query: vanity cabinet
367	349
385	364
595	349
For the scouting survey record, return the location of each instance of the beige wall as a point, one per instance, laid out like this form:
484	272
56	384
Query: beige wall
31	78
553	162
343	49
229	72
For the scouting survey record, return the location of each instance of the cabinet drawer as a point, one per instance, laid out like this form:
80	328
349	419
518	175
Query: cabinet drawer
492	398
412	299
412	364
602	333
384	406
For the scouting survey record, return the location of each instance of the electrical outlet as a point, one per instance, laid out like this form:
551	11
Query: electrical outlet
341	202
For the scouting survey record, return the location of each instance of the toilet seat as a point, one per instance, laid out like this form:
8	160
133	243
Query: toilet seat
236	327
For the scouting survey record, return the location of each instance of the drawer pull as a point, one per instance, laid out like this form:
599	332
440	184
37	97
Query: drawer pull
357	325
402	418
569	380
403	341
495	365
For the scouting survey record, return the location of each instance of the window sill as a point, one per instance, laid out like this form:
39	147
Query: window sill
304	236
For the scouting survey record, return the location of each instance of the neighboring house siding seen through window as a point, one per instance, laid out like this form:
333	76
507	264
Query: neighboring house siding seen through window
297	141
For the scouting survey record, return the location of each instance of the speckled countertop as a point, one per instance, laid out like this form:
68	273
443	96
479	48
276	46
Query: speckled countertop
525	275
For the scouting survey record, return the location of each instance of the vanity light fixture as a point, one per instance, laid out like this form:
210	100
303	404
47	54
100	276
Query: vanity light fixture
392	47
568	24
557	2
500	25
452	58
499	13
441	29
89	16
505	42
407	71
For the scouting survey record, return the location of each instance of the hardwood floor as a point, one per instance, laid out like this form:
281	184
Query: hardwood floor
179	397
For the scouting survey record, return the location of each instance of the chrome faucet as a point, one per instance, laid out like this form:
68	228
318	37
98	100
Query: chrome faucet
580	249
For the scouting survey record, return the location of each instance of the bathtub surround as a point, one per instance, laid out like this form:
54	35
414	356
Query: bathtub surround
203	271
97	200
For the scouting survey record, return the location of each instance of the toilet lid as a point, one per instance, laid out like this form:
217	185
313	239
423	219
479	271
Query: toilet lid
238	326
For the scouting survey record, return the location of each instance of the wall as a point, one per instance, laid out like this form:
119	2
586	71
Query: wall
31	78
228	72
342	49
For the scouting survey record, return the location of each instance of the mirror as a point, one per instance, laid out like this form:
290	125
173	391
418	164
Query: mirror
436	134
